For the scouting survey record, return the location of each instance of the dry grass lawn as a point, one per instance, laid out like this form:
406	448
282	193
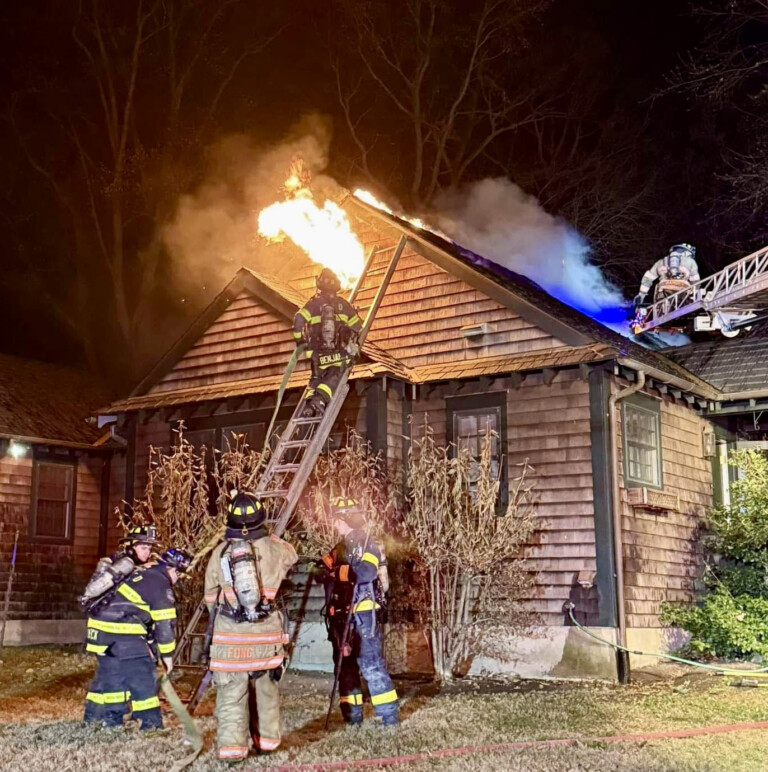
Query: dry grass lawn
41	692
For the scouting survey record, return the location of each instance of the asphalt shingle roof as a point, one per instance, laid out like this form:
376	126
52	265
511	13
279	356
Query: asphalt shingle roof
44	402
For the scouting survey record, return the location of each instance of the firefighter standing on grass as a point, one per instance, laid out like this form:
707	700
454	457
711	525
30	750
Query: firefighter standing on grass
134	550
352	581
141	609
329	326
247	651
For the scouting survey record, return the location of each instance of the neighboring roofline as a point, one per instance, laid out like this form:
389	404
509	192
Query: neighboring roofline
694	385
740	396
58	443
478	280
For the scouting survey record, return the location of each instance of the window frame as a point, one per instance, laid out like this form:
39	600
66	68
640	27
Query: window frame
69	536
652	407
479	403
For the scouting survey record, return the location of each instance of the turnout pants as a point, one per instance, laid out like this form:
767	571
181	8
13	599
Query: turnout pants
123	685
365	659
324	380
246	704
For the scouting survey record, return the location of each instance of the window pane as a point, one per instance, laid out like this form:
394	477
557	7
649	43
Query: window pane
643	445
469	430
53	499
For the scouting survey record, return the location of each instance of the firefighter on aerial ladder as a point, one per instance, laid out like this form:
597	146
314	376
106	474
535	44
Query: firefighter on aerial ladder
329	327
676	271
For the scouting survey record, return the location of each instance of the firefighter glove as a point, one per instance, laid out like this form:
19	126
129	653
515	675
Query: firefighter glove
168	663
639	299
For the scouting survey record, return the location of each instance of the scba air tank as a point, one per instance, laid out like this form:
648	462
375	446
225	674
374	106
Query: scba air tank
245	578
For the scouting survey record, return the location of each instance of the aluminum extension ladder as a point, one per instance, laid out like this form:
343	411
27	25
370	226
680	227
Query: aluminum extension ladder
734	293
300	444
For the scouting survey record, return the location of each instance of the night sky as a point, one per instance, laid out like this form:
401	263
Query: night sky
645	166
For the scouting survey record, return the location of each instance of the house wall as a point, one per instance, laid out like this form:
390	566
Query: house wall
424	308
49	577
549	426
663	556
248	340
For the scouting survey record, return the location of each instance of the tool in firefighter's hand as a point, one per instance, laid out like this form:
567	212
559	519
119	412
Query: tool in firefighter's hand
8	587
205	679
345	649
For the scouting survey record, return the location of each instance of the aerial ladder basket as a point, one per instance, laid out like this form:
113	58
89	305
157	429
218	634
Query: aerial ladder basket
727	300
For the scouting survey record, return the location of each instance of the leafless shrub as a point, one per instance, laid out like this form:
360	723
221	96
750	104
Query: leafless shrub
352	471
185	498
471	555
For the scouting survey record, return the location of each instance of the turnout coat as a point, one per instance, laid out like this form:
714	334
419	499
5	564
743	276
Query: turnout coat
242	646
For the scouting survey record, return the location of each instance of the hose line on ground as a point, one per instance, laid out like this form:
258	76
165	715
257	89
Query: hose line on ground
715	668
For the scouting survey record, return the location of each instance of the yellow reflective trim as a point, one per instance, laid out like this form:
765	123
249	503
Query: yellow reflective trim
99	699
114	698
371	558
308	354
139	705
366	605
296	335
342	318
383	699
352	699
315	320
118	628
158	615
95	648
327	389
353	321
166	648
305	314
130	594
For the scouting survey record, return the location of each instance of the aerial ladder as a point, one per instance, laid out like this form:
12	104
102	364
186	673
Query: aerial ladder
729	300
293	459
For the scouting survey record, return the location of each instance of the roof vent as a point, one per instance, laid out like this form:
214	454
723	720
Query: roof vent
475	330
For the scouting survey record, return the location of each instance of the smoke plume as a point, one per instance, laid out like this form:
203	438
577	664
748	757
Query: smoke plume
213	231
498	220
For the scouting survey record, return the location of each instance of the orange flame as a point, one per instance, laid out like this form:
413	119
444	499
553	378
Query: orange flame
324	233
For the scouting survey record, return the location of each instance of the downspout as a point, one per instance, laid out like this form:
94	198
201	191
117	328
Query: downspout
618	540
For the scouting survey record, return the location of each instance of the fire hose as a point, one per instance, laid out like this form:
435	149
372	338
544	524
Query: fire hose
186	721
719	670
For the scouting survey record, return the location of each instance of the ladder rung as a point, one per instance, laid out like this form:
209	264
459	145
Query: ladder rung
315	419
285	467
281	492
294	444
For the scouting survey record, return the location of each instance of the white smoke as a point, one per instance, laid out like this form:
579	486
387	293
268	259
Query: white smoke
213	232
499	221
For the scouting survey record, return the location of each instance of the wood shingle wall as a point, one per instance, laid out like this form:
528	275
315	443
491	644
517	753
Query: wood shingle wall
662	549
549	426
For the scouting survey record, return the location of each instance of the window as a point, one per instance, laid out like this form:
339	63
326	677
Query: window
253	434
469	420
53	496
642	444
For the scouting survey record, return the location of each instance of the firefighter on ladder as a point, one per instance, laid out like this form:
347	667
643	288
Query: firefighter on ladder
329	326
140	610
676	271
352	582
243	576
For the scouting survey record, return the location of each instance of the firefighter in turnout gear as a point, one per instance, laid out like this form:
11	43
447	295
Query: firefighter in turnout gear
134	550
139	615
247	652
676	271
352	582
328	326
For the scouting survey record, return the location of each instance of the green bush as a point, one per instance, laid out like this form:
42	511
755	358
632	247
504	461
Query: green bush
731	620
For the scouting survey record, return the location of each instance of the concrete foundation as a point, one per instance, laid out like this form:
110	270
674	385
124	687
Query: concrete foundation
29	632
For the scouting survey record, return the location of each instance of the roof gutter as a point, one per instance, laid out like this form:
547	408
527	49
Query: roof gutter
48	441
672	380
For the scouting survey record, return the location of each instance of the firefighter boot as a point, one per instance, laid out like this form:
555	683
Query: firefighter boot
265	714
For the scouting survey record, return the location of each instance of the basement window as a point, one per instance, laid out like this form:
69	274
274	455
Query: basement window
642	443
53	501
